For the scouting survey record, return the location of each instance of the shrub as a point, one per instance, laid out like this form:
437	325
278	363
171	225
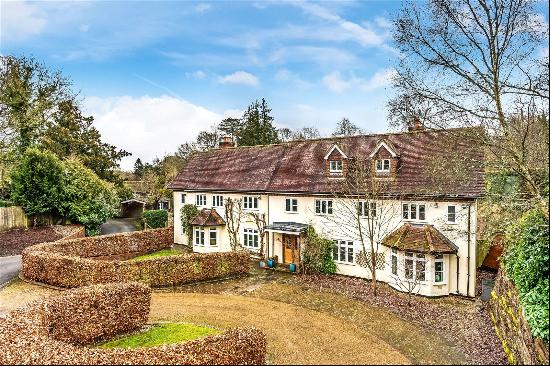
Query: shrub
317	253
188	212
526	263
155	219
4	203
37	183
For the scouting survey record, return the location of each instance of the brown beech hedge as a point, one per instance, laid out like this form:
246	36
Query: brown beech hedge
58	330
71	263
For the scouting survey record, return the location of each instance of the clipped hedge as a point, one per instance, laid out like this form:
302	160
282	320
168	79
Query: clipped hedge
70	263
53	331
155	218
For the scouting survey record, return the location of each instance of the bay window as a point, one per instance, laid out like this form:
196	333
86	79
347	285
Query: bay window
199	236
439	273
213	237
415	266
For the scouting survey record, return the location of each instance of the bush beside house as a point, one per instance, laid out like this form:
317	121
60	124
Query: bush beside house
155	219
52	331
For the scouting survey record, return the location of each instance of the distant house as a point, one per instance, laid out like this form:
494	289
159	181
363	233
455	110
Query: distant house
433	238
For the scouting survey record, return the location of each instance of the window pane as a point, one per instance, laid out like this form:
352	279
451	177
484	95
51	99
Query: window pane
323	206
378	164
420	270
288	205
335	251
386	165
394	264
329	204
413	212
408	268
317	206
439	266
421	212
294	205
350	254
405	211
342	253
373	209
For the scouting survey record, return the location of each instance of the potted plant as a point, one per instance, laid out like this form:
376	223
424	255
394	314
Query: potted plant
292	267
262	263
272	261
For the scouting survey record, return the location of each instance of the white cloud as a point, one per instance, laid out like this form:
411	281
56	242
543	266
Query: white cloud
239	77
202	7
148	127
199	74
20	20
379	79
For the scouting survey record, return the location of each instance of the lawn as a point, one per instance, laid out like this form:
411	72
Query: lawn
160	253
159	334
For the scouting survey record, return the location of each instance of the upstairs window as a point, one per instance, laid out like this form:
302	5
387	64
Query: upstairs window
367	209
383	165
250	203
323	207
451	214
414	211
336	167
217	201
183	198
200	200
291	205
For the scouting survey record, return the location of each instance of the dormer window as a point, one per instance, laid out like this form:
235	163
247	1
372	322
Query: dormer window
383	165
336	167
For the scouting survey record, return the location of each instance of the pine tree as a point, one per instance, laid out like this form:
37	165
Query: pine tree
258	126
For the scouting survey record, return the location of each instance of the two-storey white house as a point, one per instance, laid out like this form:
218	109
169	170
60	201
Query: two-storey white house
429	221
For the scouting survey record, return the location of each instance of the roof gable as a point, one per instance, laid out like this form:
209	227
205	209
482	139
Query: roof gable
386	145
335	147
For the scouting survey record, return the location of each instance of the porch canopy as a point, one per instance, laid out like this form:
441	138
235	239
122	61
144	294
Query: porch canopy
420	239
291	228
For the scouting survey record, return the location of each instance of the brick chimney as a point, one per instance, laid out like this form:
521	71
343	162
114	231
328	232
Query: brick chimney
226	142
416	125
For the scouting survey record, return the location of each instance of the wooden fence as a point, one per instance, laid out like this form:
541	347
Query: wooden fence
12	217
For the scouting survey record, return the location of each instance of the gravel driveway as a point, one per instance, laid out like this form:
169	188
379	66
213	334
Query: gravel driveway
9	268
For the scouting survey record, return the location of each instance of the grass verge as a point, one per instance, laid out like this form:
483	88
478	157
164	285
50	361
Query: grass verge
161	334
160	253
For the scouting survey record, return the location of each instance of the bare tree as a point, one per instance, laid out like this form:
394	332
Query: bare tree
476	63
261	222
408	273
364	211
233	216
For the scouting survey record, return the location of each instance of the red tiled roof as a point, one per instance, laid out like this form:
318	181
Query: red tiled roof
208	217
419	238
299	166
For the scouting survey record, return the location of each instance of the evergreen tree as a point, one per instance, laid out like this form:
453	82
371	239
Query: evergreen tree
231	126
346	128
138	168
258	126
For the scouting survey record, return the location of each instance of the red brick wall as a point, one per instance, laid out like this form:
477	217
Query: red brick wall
335	155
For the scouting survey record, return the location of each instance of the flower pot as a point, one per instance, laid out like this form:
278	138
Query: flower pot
292	267
262	264
270	263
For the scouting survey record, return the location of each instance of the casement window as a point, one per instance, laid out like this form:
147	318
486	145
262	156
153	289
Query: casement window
451	214
415	266
343	251
213	237
250	203
200	200
199	236
439	272
336	167
323	207
383	165
367	209
414	211
217	201
251	239
291	205
394	261
183	198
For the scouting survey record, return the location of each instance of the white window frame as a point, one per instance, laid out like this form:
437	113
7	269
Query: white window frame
200	200
250	202
439	258
251	239
336	167
291	205
214	231
348	250
381	165
416	258
217	200
199	236
326	204
453	214
367	212
407	210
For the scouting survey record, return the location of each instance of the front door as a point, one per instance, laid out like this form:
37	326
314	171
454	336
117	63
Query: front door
290	249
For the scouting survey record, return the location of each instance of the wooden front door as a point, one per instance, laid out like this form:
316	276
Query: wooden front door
291	253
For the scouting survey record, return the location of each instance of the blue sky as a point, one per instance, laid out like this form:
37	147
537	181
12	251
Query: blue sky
154	74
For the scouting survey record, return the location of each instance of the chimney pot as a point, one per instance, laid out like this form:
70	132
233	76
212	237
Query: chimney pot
226	142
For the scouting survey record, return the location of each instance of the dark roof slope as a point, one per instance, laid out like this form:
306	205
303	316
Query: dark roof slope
299	166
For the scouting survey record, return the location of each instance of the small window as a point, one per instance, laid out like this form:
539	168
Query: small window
343	251
251	239
336	167
183	198
414	211
394	261
451	214
323	207
200	200
367	209
217	201
213	236
250	203
383	165
199	236
291	205
439	272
